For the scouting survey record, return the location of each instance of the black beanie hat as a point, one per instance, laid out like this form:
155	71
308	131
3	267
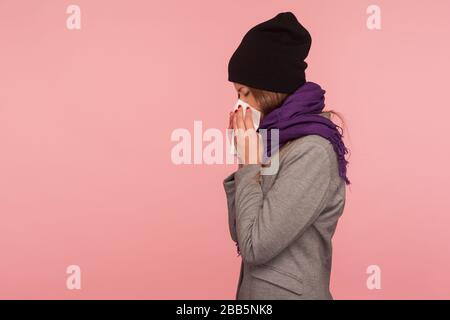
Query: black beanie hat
271	55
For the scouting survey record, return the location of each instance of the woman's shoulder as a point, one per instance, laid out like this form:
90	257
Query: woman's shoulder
311	143
312	152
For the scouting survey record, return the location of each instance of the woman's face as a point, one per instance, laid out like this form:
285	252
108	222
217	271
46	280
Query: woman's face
245	95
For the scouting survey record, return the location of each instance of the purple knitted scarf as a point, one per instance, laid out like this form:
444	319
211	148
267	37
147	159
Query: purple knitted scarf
299	116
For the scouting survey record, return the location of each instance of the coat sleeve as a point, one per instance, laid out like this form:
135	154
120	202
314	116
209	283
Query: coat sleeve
230	189
267	225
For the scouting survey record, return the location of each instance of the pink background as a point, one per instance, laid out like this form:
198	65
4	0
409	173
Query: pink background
86	116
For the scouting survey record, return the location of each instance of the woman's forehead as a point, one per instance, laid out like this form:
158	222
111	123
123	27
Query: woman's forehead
239	86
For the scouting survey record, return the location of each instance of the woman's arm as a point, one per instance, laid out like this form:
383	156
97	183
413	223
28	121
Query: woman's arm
267	225
230	189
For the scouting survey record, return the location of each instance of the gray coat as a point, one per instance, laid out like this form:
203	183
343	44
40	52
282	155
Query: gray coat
284	222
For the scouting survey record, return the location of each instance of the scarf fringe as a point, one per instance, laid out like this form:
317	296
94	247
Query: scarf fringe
341	151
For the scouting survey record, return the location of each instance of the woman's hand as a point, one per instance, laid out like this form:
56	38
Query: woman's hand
247	141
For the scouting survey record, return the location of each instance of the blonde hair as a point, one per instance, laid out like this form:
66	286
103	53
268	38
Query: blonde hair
269	100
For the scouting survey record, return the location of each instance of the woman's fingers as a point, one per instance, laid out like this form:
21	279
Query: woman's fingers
230	120
248	119
234	120
240	118
234	127
239	132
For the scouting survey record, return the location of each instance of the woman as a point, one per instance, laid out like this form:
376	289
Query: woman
283	223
